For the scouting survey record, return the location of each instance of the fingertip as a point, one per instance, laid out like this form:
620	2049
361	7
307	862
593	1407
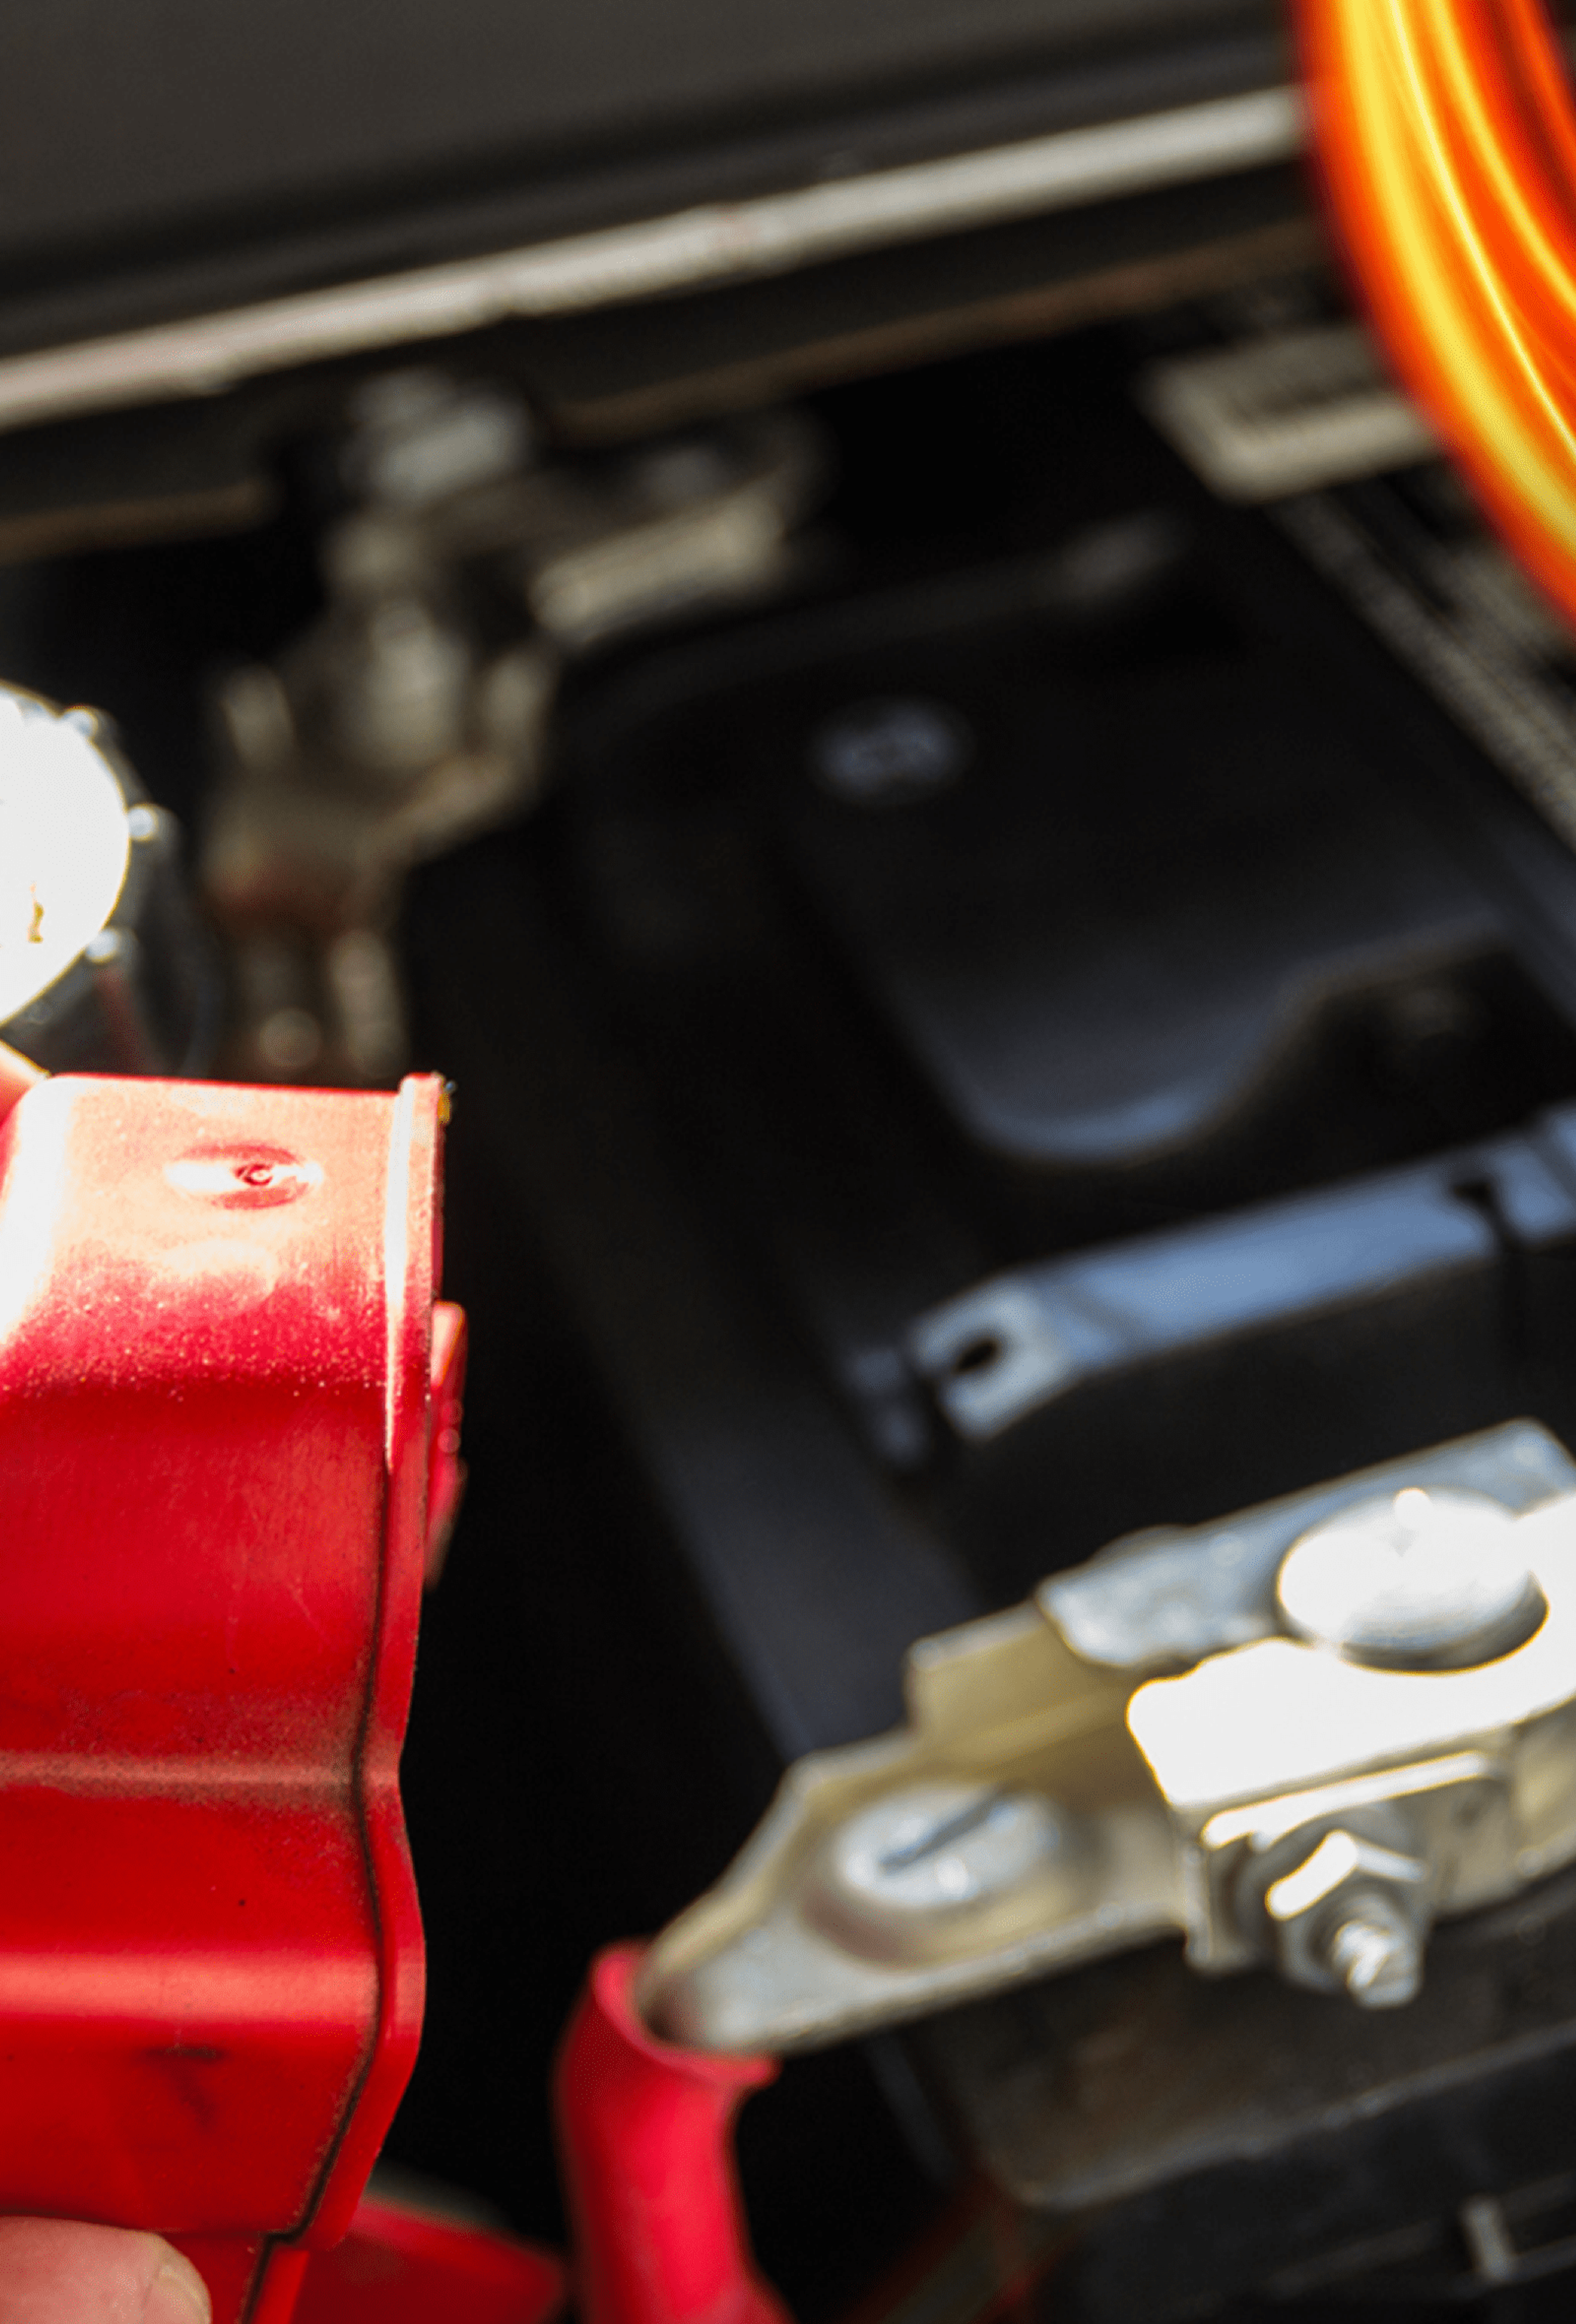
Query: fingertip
63	2271
178	2294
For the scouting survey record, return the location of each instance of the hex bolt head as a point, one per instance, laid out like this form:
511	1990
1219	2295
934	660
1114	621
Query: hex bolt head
1346	1913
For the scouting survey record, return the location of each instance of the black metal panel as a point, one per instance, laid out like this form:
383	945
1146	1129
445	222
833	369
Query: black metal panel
178	119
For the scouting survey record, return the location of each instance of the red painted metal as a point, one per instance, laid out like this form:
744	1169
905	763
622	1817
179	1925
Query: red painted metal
223	1469
645	2146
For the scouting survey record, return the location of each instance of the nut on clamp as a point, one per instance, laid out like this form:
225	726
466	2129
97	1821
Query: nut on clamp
1296	1737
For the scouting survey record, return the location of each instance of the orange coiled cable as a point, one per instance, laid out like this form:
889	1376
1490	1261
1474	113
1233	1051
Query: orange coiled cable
1446	134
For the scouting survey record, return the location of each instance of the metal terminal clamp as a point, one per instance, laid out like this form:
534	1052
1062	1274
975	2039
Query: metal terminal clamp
1296	1737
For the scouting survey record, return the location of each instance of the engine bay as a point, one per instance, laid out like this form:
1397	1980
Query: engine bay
1002	923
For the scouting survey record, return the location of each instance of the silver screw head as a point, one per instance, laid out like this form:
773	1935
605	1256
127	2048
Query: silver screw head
890	752
905	1873
1425	1578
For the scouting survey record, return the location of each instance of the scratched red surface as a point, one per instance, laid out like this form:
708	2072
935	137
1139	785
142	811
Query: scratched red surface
216	1424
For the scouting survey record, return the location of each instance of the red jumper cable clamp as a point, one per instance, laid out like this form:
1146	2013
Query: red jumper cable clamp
228	1429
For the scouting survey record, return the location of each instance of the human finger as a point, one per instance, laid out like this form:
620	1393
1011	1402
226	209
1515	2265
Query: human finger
61	2271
